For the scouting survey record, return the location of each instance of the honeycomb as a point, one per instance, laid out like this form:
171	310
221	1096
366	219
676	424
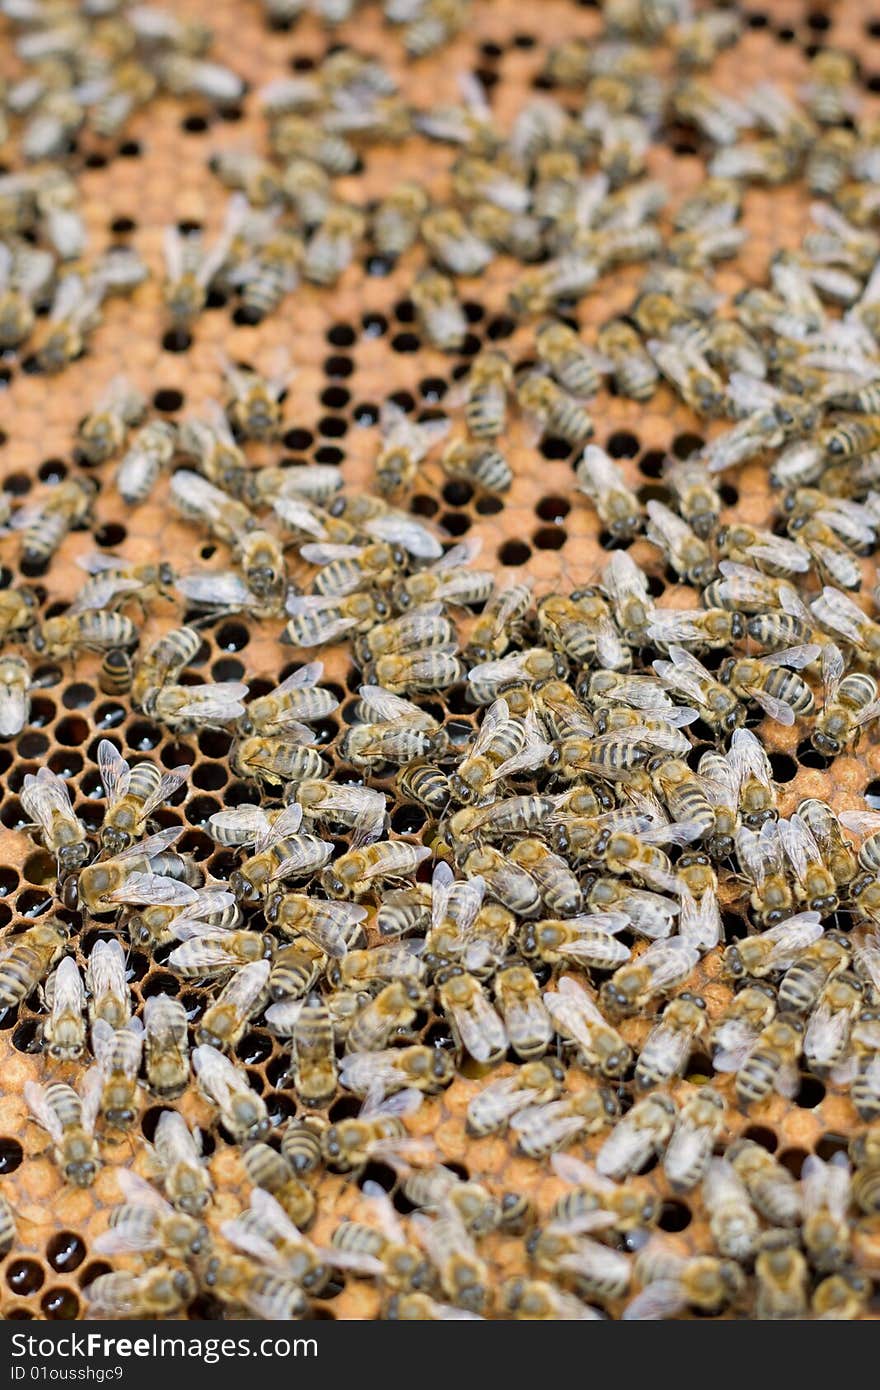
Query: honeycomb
351	347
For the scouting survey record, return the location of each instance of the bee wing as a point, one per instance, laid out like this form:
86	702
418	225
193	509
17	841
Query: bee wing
105	972
152	890
172	247
836	611
329	936
649	914
699	924
866	949
389	708
794	657
35	1097
748	759
667	1047
300	515
44	796
506	668
849	523
496	717
100	592
833	667
798	843
826	1033
324	554
579	1174
459	555
217	702
663	1298
90	1092
772	707
168	785
129	1236
138	1191
787	1081
214	1071
115	773
151	847
734	1039
781	552
573	990
480	1029
668	959
311	853
251	1243
69	992
246	823
216	589
535	752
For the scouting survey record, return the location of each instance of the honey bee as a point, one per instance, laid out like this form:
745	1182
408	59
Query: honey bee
166	1046
826	1041
403	1264
279	852
474	1022
378	1132
314	1062
781	1275
771	1063
577	368
241	1282
254	404
564	1250
405	446
850	702
672	1282
157	924
814	883
439	310
109	1000
558	886
584	941
394	1069
427	669
657	971
197	499
526	1021
44	525
839	1296
579	1021
698	499
146	1222
634	372
129	877
317	619
499	622
864	1042
494	1105
462	1274
391	1011
155	1293
640	1135
394	225
102	432
477	463
331	248
665	1051
544	1127
503	746
750	545
540	289
133	794
113	582
447	580
542	1299
776	949
684	795
118	1059
698	1126
242	1111
582	628
627	588
27	959
751	1010
17	611
177	1157
69	1119
371	860
271	760
74	314
717	704
46	801
93	630
552	410
332	926
529	667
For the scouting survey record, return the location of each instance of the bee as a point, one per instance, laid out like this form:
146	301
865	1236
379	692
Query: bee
582	628
585	941
279	1174
317	619
93	630
18	610
814	884
779	692
333	927
377	1133
113	582
839	1296
542	1300
552	409
157	924
545	1127
500	622
831	91
391	1011
631	848
657	971
424	1068
781	1274
526	1021
462	1274
74	314
685	674
640	1135
404	1266
733	1224
627	589
633	371
27	959
241	1282
254	404
166	1046
771	1064
133	794
438	1188
562	1249
577	368
155	1293
270	760
405	446
503	746
485	390
632	1209
242	1111
109	1000
529	667
440	314
672	1282
477	463
46	801
295	969
447	580
750	545
177	1157
688	371
579	1022
494	1105
750	1011
279	851
44	525
850	702
103	432
23	280
371	860
395	222
129	877
475	1024
118	1059
69	1119
665	1051
245	995
826	1041
684	795
558	886
268	1234
698	1126
146	1222
427	669
697	497
64	1031
776	949
314	1063
331	248
197	499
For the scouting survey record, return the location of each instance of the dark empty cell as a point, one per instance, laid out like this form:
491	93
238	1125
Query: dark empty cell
227	669
609	542
683	445
110	535
491	50
489	505
215	300
341	335
817	19
457	494
404	400
374	325
254	1048
232	637
24	1277
176	340
209	777
17	484
11	1154
13	817
52	470
338	365
213	743
168	399
122	225
456	523
623	444
335	397
32	745
792	1160
159	982
651	463
405	343
471	345
40	868
474	312
247	316
831	1144
329	453
59	1304
552	447
408	819
332	426
130	149
200	809
786	35
379	266
432	389
553	509
811	1093
279	1108
674	1216
109	716
784	767
173	754
405	311
78	695
549	538
142	736
194	125
150	1120
230	113
92	817
728	494
514	553
207	551
5	760
26	1037
72	731
652	492
65	1252
761	1134
16	777
95	161
6	577
873	82
422	505
198	845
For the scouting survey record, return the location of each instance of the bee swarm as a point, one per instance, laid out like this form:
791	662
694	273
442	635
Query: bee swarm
437	694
